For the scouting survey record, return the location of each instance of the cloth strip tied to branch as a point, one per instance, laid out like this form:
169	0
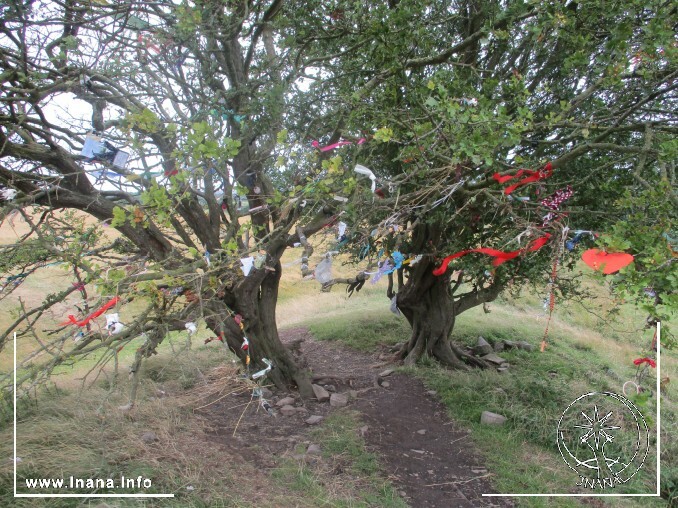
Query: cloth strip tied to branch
327	148
93	315
531	176
500	256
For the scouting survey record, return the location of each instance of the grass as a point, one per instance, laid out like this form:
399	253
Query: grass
364	333
75	432
581	357
67	431
348	475
81	432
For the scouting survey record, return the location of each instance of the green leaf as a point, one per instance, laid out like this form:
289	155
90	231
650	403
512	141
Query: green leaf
119	217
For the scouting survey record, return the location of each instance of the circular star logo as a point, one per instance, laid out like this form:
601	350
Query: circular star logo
604	438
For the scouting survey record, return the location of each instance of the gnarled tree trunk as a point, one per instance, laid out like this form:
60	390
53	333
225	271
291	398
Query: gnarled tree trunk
255	300
427	302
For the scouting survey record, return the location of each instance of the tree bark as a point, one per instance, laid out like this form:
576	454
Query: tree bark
427	303
255	300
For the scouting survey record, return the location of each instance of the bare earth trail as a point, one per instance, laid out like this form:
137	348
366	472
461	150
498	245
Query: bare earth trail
428	458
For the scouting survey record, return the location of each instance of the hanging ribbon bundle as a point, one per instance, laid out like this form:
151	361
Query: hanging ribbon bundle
147	43
552	303
394	305
245	346
341	230
531	176
500	256
8	194
554	201
97	150
94	315
328	148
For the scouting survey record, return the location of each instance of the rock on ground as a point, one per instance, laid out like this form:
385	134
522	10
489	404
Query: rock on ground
489	418
338	400
320	393
287	401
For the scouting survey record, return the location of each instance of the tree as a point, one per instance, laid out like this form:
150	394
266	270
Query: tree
195	93
580	93
218	103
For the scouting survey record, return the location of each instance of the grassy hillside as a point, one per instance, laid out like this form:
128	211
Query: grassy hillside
67	429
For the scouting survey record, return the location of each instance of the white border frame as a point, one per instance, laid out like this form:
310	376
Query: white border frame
23	494
658	493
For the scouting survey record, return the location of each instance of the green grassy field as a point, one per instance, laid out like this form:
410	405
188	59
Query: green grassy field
70	429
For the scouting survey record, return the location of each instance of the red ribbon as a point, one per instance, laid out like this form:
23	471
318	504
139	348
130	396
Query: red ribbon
532	176
500	256
649	361
71	319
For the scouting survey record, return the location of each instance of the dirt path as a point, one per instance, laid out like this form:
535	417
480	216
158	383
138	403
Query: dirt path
429	459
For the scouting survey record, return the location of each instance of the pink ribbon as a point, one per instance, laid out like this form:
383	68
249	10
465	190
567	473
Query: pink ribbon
327	148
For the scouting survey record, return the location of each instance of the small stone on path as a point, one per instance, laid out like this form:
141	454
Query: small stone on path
421	431
287	401
385	384
338	400
313	449
314	420
288	410
320	393
387	372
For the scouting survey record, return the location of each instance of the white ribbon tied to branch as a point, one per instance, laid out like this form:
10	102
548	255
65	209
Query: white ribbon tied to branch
368	173
265	371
